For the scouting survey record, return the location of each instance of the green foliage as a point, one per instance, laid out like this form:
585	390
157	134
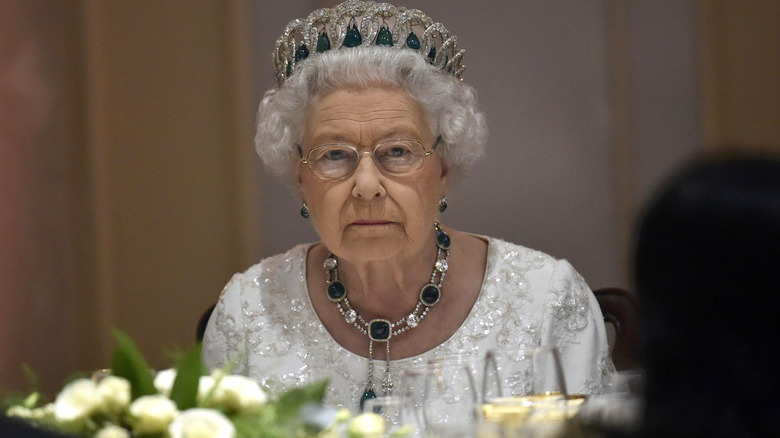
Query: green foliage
31	376
129	363
185	387
289	404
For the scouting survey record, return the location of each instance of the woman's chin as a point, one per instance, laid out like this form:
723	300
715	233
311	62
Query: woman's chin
375	242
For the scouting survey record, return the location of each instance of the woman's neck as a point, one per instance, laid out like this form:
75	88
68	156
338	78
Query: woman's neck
388	288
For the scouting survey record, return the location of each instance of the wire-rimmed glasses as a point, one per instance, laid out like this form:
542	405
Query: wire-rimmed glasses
336	161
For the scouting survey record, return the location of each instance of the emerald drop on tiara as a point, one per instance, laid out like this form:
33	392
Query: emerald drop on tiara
384	37
353	38
323	42
412	41
302	53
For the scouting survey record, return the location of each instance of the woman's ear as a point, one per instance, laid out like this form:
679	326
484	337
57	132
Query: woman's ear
296	174
445	171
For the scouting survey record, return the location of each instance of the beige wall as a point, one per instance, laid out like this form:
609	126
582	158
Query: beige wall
741	66
127	199
129	193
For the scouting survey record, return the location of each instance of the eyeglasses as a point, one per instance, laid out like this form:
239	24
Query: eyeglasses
335	161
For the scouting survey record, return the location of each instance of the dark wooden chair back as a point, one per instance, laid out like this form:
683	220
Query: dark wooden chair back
621	309
203	322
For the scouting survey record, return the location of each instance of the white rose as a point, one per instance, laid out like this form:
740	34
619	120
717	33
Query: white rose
19	411
163	381
239	392
76	401
44	412
343	415
152	414
205	385
201	423
112	431
366	425
114	394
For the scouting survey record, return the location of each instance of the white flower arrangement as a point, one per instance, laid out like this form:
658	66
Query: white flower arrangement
181	403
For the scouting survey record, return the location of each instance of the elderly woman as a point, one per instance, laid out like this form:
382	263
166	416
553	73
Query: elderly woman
371	123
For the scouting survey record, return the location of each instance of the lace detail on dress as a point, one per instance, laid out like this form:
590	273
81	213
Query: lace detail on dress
229	341
594	384
568	307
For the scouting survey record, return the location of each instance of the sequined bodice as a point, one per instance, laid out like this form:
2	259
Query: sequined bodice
265	322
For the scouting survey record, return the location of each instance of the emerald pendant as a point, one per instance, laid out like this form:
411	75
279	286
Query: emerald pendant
367	394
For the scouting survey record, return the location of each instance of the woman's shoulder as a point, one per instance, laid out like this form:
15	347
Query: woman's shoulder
274	272
510	260
283	262
502	252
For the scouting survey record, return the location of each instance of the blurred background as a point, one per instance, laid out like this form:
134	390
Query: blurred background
130	191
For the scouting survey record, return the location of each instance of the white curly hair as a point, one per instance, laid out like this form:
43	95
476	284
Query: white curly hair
450	105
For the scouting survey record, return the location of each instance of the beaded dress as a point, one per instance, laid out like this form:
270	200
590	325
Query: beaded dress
265	323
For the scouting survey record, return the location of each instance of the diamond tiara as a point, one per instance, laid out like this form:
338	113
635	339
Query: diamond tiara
355	23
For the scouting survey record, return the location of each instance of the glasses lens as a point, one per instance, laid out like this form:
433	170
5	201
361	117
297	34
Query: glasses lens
333	161
400	156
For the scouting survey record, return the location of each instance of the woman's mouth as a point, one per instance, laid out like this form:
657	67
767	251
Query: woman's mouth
370	222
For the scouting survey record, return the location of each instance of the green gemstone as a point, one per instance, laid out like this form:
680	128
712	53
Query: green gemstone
412	41
302	53
430	294
323	42
379	330
384	37
353	38
443	240
367	394
337	291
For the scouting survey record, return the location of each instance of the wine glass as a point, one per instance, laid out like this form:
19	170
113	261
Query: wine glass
390	408
522	386
413	389
450	405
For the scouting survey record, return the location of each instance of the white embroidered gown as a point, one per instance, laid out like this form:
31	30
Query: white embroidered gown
265	322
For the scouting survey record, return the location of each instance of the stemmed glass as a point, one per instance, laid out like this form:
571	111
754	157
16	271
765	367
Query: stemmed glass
523	386
391	408
450	405
413	389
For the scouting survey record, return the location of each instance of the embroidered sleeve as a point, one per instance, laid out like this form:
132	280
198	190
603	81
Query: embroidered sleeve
573	323
224	341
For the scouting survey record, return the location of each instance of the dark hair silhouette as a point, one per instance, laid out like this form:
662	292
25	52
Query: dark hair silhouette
707	272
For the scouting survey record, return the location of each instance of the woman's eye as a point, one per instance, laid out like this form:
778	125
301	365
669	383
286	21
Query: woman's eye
394	152
398	151
335	155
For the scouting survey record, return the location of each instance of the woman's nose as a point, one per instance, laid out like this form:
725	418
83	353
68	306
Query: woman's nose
368	184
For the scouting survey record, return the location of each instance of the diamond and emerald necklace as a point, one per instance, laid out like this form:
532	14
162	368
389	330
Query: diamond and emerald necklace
381	330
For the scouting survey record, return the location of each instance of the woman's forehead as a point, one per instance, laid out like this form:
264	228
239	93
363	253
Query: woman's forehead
367	114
